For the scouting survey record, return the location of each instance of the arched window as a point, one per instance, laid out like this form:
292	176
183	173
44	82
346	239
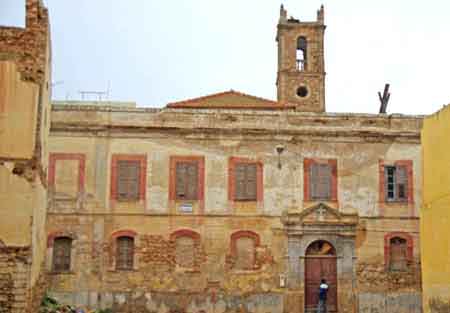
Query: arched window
245	253
124	253
186	248
243	249
185	251
398	254
62	247
301	54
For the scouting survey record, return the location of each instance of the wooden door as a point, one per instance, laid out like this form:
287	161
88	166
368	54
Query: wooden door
318	267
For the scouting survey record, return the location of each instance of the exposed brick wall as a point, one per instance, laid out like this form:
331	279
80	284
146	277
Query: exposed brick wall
28	46
14	282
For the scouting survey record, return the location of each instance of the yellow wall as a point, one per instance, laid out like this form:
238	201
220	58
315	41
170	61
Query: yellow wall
435	221
18	113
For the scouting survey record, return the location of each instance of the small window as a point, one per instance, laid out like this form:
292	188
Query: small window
245	253
245	182
396	183
398	254
62	248
125	253
320	181
185	251
186	180
128	180
301	53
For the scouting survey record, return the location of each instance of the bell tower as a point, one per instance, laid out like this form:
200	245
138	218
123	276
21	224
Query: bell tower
301	68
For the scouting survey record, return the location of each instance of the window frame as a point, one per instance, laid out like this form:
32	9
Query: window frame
409	249
233	247
142	161
246	168
308	163
67	265
232	164
196	240
119	266
174	159
408	177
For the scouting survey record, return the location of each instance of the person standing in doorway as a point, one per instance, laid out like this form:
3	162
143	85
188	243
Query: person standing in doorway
323	290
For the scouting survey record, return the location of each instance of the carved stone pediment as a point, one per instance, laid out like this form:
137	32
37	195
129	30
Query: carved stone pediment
320	214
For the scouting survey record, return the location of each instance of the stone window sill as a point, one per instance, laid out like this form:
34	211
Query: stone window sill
61	272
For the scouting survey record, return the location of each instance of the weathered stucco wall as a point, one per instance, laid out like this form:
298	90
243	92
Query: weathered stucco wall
435	212
84	139
24	127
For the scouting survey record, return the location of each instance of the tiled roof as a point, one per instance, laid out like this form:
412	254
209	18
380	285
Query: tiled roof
229	100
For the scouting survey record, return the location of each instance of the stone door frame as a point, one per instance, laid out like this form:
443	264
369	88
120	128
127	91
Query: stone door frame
302	228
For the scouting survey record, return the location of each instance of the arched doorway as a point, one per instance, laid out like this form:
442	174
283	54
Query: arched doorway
320	263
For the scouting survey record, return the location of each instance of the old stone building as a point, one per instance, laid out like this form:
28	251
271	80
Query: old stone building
234	203
24	128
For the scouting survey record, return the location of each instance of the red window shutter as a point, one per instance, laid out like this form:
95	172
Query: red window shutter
192	179
180	184
128	180
186	184
125	253
320	181
251	182
402	183
239	176
245	181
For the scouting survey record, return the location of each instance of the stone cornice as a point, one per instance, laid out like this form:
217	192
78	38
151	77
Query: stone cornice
204	123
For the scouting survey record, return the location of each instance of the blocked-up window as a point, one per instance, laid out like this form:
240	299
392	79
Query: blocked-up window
128	179
320	181
245	181
62	247
398	254
124	253
396	183
245	253
186	180
185	251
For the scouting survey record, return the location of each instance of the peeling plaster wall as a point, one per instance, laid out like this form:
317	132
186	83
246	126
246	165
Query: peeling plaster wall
98	133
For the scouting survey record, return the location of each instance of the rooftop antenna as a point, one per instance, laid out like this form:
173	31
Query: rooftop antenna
100	95
384	99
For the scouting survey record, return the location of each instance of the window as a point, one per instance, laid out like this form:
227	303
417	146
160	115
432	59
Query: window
245	253
186	181
243	249
396	183
62	247
128	176
245	181
185	251
301	53
320	180
398	254
124	253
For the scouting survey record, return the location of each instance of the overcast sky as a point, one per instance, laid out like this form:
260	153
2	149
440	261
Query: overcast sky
154	51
